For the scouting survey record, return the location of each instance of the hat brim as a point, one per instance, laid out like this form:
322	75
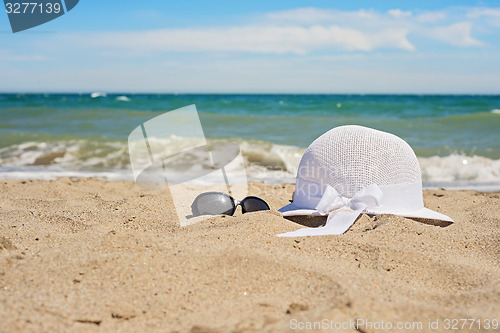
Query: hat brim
422	213
292	210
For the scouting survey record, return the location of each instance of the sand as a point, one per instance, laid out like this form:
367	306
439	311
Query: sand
89	255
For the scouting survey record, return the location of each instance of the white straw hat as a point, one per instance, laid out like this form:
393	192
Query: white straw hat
351	170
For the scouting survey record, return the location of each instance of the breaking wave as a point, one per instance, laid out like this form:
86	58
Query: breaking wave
265	161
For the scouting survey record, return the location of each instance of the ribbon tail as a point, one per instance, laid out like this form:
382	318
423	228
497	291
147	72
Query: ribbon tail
336	224
340	222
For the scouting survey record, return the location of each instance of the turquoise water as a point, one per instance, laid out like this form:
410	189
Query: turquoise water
75	133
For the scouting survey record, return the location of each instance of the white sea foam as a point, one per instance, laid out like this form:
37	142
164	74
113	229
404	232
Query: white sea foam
496	111
264	161
123	98
98	94
63	156
460	170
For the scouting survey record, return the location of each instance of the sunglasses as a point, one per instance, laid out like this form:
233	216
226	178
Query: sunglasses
215	203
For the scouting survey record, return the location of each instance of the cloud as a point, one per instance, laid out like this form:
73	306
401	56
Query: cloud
481	12
486	15
395	38
301	31
394	28
398	13
251	39
331	51
458	34
431	17
298	31
312	15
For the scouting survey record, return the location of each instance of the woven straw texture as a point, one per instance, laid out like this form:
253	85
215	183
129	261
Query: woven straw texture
351	157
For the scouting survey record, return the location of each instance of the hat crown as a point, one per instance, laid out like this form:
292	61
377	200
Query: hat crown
349	158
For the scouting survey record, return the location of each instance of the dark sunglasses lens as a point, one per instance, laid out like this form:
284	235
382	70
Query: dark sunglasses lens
213	204
253	204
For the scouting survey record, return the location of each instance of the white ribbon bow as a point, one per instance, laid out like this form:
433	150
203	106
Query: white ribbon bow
341	211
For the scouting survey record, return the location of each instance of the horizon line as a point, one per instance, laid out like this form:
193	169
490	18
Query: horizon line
247	93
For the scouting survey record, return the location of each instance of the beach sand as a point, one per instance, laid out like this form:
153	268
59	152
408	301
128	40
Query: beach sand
89	255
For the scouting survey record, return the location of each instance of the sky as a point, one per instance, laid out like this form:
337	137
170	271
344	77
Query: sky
308	46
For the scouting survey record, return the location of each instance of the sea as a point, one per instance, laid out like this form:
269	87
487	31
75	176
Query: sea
46	136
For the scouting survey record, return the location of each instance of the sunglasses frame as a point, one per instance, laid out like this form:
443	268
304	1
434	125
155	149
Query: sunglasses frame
235	203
